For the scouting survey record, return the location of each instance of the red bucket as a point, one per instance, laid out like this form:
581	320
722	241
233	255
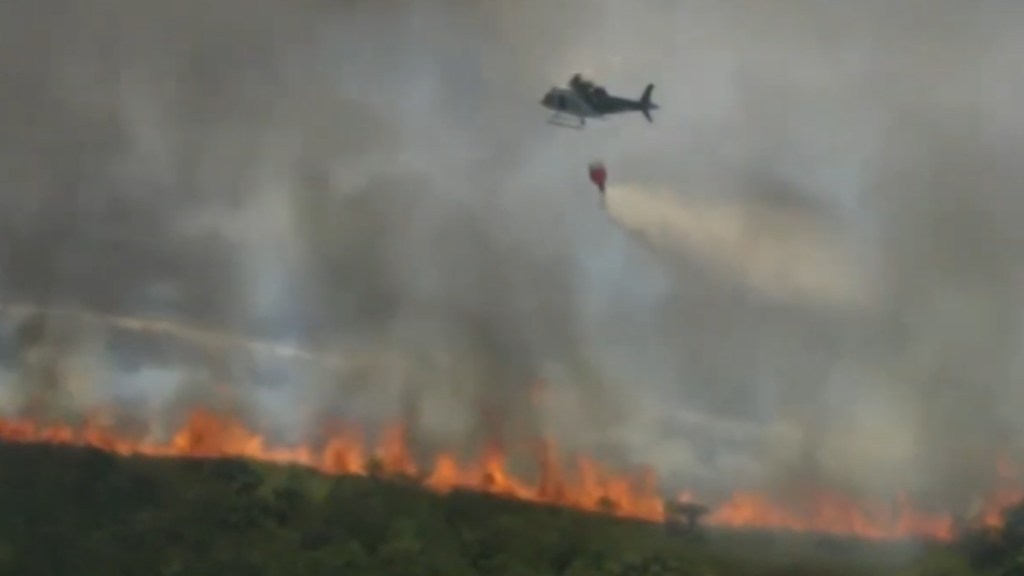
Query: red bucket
598	175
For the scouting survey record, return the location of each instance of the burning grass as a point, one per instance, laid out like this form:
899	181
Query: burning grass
578	483
572	481
108	514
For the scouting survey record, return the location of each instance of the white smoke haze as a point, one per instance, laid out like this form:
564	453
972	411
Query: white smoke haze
786	254
824	284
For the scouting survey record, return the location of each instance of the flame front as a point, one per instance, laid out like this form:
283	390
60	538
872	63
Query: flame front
585	485
829	512
1008	491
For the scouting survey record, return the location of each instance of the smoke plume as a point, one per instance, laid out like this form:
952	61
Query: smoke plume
779	253
832	294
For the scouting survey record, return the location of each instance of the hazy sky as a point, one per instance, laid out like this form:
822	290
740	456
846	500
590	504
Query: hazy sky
379	174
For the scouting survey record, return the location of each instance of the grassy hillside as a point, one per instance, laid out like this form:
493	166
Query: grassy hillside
82	512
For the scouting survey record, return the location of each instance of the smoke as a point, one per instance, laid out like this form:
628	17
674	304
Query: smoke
781	254
845	249
345	177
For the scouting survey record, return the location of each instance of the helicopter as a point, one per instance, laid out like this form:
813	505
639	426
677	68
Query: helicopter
583	99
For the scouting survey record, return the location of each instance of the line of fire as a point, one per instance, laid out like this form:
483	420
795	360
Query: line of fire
569	480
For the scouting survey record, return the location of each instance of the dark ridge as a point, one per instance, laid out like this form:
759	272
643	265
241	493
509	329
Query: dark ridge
111	515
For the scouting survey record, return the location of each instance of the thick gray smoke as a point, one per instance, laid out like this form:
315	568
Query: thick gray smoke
352	176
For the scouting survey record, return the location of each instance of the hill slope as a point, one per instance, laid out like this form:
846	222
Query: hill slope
82	512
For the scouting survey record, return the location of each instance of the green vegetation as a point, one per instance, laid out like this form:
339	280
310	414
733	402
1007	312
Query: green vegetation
87	513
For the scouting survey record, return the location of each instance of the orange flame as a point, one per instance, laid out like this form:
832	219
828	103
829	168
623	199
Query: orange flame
828	512
587	485
1008	492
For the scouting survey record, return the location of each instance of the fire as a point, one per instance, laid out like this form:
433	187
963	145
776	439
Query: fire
208	435
585	485
1008	492
829	512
